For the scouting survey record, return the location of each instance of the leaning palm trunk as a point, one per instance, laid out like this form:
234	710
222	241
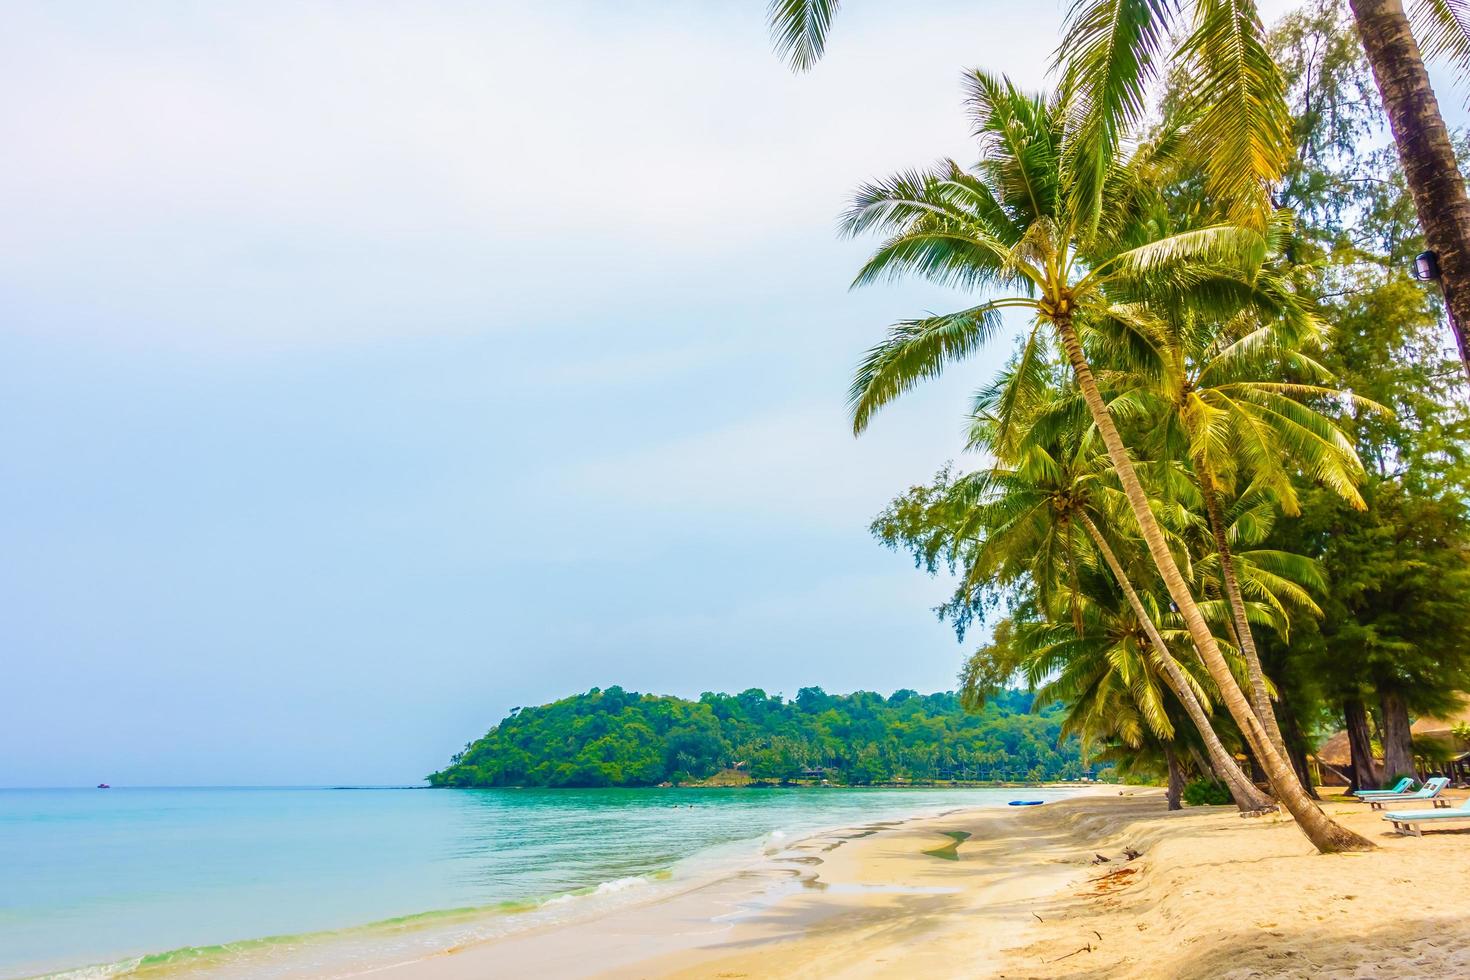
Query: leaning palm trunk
1423	141
1260	697
1242	790
1324	833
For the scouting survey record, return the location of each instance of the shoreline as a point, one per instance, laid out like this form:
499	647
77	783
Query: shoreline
964	892
1210	894
757	784
637	939
684	934
405	940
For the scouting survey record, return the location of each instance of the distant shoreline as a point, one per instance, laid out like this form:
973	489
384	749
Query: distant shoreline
805	784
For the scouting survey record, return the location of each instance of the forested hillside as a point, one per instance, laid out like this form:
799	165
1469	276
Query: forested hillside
614	737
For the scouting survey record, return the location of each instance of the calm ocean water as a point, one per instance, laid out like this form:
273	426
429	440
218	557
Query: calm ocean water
106	876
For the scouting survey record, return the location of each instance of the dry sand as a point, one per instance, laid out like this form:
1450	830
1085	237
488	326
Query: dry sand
1212	895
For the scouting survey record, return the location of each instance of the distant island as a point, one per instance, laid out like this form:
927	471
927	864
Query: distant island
614	737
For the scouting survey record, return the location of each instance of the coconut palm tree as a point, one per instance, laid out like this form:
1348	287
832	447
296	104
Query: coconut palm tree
1220	398
1242	790
1011	514
1107	672
1104	674
1275	586
1024	224
1053	482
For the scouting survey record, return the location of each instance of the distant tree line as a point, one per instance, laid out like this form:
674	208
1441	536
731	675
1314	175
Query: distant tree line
615	737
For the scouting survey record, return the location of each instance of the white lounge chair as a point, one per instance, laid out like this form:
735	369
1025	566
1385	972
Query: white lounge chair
1429	791
1408	822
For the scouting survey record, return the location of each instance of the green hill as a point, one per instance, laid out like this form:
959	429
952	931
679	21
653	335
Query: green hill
614	737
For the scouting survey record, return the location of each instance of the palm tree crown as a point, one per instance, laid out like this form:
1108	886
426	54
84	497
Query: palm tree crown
1020	223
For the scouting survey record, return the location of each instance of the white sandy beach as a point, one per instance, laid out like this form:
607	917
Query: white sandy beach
1212	894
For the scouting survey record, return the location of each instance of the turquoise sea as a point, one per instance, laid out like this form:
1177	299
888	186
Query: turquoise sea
147	880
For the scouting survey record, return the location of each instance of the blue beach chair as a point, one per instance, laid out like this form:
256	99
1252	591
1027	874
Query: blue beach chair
1402	787
1429	791
1408	822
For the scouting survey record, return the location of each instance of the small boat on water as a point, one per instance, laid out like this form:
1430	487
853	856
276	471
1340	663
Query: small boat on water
1027	802
103	786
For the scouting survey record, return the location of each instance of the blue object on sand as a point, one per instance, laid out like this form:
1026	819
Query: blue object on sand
1027	802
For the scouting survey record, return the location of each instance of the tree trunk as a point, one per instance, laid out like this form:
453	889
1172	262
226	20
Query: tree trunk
1203	764
1325	834
1430	168
1296	747
1258	774
1260	697
1176	779
1242	790
1398	742
1365	774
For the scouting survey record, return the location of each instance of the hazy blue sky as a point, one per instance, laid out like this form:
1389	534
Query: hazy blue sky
370	369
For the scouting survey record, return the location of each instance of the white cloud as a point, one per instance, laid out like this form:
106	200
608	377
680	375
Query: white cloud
509	118
287	173
235	178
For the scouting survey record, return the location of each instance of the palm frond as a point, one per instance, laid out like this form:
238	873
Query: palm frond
799	29
948	258
1443	31
1233	245
1238	99
1107	58
1025	385
1019	141
915	351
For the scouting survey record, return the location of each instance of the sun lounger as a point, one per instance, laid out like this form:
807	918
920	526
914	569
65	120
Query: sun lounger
1429	791
1402	787
1409	821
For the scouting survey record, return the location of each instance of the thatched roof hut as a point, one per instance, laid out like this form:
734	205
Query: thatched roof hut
1444	725
1334	750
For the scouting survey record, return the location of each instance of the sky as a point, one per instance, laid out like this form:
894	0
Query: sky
370	369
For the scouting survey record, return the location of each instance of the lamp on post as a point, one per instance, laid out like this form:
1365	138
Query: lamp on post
1426	269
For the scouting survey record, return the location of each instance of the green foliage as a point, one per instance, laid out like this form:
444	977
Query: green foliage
1154	314
1396	605
614	737
1284	391
1205	792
